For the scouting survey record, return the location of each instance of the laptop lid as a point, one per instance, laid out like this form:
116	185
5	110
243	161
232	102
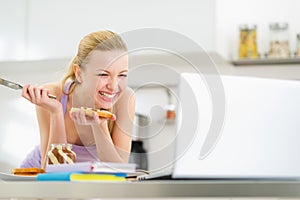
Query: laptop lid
259	136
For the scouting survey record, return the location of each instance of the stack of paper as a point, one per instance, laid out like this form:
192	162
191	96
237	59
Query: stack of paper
88	171
77	176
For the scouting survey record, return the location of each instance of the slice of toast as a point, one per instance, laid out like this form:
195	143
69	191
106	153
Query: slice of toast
90	112
27	171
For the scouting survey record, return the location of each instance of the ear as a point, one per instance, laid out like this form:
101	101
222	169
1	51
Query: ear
77	72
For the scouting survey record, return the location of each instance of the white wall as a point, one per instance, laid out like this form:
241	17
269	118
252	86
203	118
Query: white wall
52	29
12	29
33	29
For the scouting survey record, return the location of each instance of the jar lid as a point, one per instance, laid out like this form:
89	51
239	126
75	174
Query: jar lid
279	26
61	145
246	27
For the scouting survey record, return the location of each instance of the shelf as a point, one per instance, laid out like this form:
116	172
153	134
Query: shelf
266	61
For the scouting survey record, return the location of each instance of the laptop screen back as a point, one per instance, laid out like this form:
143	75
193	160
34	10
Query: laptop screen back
259	136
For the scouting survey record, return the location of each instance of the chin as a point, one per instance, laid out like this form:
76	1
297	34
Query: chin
104	105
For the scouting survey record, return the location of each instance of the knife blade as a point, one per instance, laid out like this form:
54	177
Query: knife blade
17	86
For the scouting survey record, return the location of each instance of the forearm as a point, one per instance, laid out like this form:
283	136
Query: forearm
57	133
106	149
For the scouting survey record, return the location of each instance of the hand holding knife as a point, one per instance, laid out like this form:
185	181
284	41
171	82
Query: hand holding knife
17	86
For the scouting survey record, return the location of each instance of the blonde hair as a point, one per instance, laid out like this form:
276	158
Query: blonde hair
100	40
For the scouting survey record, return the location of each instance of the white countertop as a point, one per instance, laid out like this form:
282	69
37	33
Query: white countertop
147	189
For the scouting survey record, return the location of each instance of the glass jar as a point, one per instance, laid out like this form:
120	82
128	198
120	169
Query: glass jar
170	112
279	40
61	154
247	41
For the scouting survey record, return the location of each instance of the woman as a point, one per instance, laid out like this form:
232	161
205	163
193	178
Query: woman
96	78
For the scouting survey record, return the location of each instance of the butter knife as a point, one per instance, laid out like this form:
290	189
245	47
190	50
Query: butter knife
17	86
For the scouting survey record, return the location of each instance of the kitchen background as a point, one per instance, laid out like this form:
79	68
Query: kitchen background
33	29
38	38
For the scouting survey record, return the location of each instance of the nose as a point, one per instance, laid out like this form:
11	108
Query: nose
112	84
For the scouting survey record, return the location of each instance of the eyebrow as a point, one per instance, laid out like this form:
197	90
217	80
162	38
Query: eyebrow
100	69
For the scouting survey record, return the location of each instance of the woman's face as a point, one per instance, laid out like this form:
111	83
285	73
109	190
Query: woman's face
105	75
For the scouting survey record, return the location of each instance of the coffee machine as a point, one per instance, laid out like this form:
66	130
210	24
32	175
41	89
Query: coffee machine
140	131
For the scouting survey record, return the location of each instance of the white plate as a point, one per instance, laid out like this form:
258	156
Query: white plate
12	177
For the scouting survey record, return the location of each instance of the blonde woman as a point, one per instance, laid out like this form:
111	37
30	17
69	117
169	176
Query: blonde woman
96	78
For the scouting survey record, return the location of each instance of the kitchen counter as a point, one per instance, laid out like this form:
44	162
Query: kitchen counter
155	68
147	189
165	69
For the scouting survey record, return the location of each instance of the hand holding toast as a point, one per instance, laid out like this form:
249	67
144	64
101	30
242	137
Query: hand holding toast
86	115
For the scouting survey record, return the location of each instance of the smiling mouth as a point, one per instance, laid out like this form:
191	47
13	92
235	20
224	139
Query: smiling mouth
106	95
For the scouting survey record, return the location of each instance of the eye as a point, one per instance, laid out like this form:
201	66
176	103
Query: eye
102	74
123	75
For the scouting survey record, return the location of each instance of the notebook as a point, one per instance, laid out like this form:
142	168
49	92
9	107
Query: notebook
236	127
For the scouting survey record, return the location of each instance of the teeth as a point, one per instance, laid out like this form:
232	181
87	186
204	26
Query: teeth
108	95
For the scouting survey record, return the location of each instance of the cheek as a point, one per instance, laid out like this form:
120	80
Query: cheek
92	84
123	83
100	82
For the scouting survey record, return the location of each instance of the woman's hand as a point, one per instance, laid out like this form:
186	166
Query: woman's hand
39	96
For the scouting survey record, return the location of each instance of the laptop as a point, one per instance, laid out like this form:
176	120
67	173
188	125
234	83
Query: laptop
236	127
